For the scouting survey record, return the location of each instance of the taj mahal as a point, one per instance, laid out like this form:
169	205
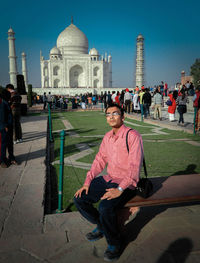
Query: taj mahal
70	68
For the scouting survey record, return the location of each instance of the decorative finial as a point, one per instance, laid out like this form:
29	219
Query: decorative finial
72	20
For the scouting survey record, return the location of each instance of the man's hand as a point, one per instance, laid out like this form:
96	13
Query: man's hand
111	193
79	192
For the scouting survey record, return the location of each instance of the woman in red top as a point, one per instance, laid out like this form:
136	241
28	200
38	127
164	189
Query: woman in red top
172	108
117	98
196	109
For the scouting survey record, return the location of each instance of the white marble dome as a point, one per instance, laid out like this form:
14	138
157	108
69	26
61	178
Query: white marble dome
73	40
55	51
94	52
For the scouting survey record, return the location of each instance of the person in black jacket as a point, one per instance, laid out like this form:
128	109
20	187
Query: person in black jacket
146	99
4	113
11	157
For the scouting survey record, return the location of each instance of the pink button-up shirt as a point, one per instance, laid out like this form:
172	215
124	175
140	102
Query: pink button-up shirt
123	168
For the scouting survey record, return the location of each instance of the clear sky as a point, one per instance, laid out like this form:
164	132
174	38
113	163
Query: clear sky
171	29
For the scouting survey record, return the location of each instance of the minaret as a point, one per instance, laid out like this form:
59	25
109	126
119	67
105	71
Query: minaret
24	70
12	58
110	70
139	73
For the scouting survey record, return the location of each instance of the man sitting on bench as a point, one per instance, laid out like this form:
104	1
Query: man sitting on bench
115	188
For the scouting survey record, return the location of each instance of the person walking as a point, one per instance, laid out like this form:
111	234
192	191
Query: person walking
146	100
4	123
44	101
136	103
105	100
9	134
115	188
15	104
127	101
181	101
121	99
157	104
117	98
196	105
49	99
109	98
171	109
141	93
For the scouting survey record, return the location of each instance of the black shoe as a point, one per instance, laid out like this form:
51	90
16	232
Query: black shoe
4	165
96	234
112	253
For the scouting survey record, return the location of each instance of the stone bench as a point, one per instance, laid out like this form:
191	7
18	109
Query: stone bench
170	190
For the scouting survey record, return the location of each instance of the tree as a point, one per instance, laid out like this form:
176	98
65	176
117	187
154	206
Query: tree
195	72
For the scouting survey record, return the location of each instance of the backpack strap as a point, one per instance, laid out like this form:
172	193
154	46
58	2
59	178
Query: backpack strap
144	163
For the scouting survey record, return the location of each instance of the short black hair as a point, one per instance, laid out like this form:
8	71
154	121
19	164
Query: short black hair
10	86
111	105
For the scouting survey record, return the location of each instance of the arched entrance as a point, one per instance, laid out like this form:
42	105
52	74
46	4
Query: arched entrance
77	77
56	83
96	83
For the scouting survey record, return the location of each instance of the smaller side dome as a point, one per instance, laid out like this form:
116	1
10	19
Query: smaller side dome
94	52
55	51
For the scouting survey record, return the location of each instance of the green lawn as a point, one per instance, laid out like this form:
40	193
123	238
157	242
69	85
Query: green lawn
164	157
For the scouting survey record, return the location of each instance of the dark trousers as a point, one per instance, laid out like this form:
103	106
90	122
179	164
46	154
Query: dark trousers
146	109
3	135
181	117
106	215
9	141
127	106
44	105
17	129
142	109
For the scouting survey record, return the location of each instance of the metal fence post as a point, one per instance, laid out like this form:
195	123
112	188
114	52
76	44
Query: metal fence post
50	126
60	187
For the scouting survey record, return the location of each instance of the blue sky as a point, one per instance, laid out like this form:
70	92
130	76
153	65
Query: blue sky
171	30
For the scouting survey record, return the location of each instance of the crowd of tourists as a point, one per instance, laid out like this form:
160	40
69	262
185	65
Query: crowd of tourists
138	100
10	126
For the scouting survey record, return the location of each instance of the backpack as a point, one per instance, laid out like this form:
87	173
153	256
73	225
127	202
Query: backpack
168	102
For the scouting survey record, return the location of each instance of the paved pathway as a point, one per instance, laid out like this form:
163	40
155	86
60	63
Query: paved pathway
156	235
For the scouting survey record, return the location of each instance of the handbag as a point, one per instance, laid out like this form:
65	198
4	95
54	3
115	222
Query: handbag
144	186
182	108
168	102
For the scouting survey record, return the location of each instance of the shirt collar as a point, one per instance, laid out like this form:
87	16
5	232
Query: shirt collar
120	132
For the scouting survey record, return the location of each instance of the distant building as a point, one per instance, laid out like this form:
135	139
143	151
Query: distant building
185	79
